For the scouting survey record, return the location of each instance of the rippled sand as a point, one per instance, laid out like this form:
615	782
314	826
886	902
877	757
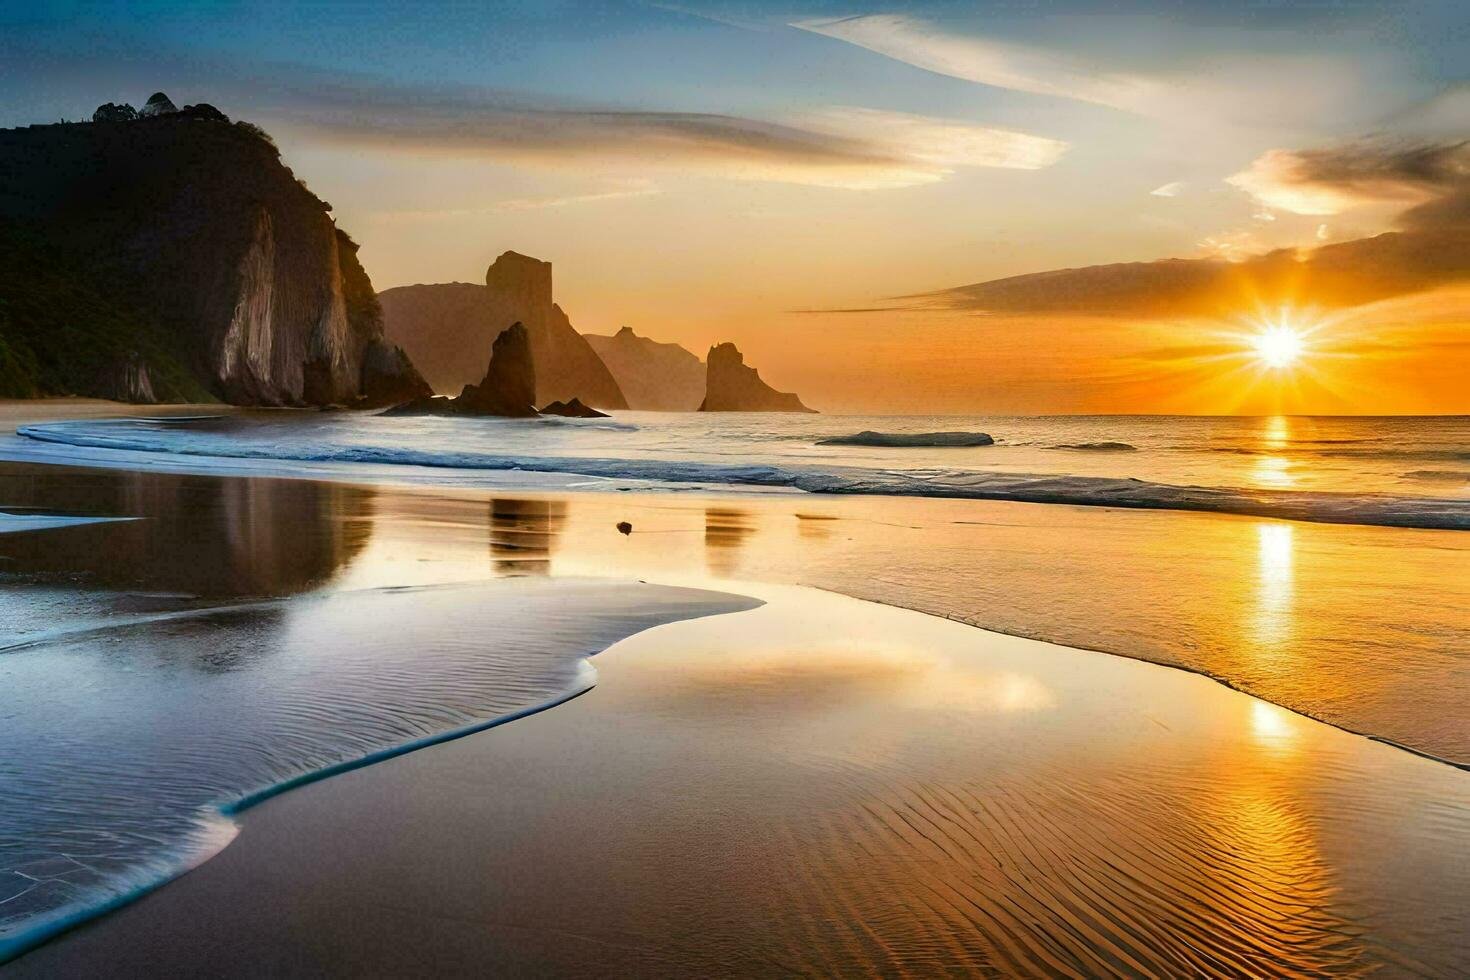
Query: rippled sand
827	786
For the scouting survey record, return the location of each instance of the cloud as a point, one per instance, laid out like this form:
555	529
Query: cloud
1003	64
1335	276
638	188
1172	69
945	143
852	148
1171	189
1336	179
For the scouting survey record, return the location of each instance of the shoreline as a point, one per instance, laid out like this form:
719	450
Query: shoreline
612	499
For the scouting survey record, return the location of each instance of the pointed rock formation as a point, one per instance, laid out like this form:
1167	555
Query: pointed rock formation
732	387
435	324
508	388
654	377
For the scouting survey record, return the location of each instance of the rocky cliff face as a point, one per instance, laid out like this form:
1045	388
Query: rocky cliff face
654	377
233	277
437	323
731	386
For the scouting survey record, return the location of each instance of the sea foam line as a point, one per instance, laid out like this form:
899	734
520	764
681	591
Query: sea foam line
1385	510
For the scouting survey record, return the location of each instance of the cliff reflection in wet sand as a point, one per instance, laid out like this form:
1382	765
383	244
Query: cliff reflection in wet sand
195	536
523	534
725	532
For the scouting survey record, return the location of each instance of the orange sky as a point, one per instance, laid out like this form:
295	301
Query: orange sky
701	171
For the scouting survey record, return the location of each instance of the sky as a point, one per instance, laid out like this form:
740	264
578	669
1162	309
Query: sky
848	191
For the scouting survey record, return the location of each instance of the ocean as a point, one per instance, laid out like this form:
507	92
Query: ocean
1410	472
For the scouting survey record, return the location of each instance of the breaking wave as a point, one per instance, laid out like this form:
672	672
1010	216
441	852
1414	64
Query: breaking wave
189	734
1339	507
1100	447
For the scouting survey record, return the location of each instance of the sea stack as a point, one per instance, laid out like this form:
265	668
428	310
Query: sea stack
731	386
508	388
437	323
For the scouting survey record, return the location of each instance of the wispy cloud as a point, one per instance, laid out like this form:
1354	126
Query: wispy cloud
944	143
989	61
634	189
851	148
1172	189
1235	79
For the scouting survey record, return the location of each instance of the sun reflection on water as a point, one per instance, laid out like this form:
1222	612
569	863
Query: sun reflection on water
1275	567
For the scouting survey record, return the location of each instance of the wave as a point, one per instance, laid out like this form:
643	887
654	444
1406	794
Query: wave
1098	447
279	722
1424	455
910	440
1439	476
1386	510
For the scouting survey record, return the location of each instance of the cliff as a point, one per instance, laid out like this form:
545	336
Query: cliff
172	255
654	377
730	386
436	323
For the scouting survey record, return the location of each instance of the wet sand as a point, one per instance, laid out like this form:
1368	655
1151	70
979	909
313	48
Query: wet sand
1366	628
822	785
828	786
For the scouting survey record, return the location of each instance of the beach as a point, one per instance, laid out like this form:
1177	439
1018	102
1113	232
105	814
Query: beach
798	781
826	786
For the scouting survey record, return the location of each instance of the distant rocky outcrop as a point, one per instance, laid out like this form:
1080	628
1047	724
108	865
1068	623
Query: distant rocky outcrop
731	386
573	409
437	323
654	377
175	254
508	388
912	440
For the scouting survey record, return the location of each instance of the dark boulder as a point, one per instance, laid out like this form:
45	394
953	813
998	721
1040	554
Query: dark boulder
573	409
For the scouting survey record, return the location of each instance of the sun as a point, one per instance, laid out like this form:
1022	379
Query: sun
1279	345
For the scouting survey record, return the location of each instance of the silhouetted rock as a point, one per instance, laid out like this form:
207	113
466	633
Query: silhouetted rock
158	104
389	377
730	386
654	377
187	245
573	409
435	324
112	112
910	440
506	390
